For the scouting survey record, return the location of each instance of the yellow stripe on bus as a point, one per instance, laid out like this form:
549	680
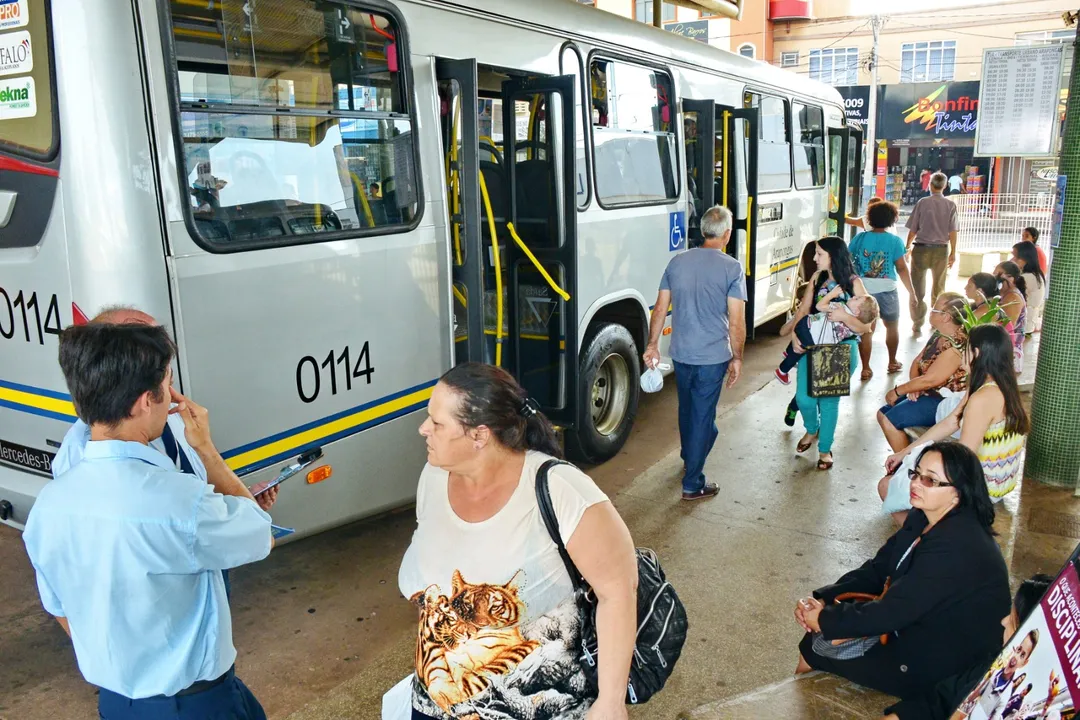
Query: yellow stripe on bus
41	402
315	434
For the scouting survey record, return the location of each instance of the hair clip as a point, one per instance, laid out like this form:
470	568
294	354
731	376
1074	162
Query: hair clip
529	408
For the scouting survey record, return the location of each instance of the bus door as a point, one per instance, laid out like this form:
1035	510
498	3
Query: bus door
736	163
845	172
458	96
540	311
699	124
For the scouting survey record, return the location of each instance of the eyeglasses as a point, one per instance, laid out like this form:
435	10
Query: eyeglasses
925	480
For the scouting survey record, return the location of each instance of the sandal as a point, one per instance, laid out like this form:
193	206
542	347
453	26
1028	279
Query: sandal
867	374
805	443
895	367
823	464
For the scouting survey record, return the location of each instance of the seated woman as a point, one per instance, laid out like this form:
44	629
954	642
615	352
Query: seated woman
1014	303
914	403
498	620
947	695
941	583
1027	259
981	288
991	421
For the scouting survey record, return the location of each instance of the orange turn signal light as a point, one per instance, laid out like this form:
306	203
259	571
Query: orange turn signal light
319	474
667	331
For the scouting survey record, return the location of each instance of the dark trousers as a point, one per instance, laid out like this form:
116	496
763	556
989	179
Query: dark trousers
228	700
806	339
699	389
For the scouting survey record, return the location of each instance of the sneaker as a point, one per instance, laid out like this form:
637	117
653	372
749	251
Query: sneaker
708	491
783	376
790	416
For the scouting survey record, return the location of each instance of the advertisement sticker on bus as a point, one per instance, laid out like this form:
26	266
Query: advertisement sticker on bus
13	14
17	98
16	54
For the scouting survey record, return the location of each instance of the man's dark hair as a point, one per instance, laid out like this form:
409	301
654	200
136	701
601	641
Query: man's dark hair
882	215
1033	232
107	367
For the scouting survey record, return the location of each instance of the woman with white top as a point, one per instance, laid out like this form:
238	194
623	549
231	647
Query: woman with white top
1026	257
498	620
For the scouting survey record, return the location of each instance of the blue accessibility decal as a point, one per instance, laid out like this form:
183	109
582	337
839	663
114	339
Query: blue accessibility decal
676	231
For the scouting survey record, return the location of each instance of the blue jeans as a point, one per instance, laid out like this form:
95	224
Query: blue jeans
229	700
906	414
699	389
820	414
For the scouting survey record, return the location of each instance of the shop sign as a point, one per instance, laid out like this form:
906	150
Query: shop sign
1042	175
856	104
16	56
697	30
947	110
13	14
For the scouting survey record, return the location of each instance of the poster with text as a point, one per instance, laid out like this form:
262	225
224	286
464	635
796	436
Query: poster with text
1037	674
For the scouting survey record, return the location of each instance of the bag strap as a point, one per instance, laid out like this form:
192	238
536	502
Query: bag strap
551	522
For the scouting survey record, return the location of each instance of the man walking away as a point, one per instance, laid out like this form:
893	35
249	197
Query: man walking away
956	184
932	228
128	550
707	290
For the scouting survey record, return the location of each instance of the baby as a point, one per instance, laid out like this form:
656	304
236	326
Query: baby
817	329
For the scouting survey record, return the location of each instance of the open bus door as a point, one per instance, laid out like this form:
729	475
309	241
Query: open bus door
737	188
845	164
458	95
700	123
541	295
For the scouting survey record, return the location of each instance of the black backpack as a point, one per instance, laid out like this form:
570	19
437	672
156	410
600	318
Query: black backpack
662	622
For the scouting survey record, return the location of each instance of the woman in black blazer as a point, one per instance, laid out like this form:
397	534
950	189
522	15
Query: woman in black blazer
948	587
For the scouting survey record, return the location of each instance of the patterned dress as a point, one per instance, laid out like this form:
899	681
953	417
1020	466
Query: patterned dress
1018	341
1001	454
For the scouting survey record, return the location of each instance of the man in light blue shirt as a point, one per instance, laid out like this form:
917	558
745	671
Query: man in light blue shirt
706	289
128	550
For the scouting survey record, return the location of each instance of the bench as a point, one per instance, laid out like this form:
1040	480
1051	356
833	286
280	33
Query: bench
975	261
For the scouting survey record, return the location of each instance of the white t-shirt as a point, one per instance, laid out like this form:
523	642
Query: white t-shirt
956	183
495	599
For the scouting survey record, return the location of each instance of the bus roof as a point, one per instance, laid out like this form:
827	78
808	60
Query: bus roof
572	19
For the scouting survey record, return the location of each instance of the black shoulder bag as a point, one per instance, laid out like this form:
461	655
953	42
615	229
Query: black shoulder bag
662	623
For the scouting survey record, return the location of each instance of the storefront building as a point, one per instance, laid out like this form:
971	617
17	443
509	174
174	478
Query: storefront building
921	126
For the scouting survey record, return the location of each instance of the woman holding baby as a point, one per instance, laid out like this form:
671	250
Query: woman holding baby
836	281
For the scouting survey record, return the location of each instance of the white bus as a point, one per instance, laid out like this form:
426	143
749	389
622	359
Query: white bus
331	202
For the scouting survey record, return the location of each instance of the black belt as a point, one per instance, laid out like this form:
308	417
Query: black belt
932	245
203	685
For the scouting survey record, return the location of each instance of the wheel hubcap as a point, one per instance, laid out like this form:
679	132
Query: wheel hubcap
610	394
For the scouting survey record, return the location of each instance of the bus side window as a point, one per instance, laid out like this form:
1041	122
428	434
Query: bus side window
633	133
809	135
774	148
294	120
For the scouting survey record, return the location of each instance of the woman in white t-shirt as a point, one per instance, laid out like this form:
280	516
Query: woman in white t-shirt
499	634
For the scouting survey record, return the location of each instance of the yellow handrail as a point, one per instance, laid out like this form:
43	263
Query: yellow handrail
498	272
460	296
454	181
536	263
749	219
724	168
363	198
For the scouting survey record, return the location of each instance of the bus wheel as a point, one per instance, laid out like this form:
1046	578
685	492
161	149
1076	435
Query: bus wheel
608	391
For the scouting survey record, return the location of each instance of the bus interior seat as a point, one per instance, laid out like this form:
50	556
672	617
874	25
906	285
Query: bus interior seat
495	181
534	202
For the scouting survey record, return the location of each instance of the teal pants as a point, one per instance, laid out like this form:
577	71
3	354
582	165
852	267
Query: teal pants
820	414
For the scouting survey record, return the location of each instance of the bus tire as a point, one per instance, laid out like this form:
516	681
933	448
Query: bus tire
608	394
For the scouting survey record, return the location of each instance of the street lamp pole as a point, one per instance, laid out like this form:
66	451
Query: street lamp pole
869	168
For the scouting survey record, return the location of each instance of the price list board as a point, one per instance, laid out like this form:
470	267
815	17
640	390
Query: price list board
1018	101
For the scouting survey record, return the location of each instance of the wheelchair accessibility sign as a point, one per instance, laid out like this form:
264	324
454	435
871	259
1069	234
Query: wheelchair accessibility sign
676	231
